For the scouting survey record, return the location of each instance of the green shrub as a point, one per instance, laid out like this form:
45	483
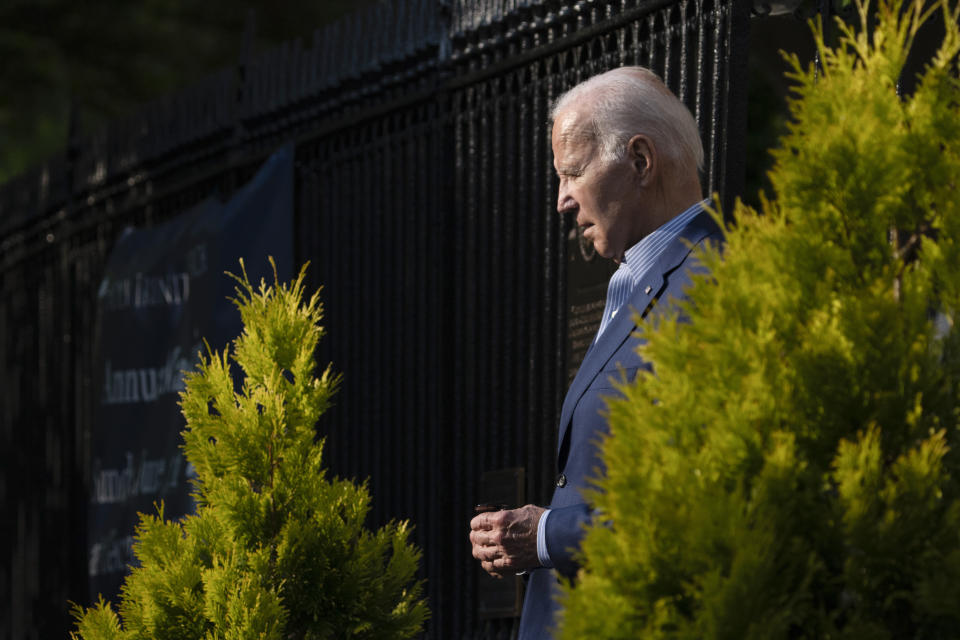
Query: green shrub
790	469
276	549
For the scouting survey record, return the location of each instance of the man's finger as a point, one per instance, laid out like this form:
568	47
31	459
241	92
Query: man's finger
485	538
489	568
477	537
487	554
481	522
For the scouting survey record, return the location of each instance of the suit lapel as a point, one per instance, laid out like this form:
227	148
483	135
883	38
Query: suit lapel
651	285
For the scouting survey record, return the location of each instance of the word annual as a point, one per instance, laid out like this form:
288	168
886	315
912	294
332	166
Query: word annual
127	386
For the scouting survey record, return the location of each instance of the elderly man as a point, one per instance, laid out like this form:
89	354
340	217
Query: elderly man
627	153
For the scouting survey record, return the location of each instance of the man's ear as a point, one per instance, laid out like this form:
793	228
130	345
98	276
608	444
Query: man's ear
643	157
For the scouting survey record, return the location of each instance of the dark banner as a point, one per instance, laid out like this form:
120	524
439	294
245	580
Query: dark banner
164	292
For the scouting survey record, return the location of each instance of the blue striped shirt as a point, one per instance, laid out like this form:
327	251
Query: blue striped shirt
637	261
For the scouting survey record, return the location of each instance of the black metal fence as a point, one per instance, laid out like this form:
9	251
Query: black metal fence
425	201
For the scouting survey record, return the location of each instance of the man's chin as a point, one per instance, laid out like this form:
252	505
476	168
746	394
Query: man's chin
603	250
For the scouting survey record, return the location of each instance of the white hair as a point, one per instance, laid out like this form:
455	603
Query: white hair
628	101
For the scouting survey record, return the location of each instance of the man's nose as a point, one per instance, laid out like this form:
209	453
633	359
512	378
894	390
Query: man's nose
565	202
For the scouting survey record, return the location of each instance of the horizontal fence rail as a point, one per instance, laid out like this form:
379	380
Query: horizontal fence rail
425	201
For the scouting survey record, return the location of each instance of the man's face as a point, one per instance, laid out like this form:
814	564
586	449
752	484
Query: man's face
606	197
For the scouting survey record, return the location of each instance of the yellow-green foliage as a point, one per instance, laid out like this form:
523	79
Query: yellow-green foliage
790	468
276	550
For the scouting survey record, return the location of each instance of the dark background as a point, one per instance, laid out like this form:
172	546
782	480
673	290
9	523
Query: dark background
69	68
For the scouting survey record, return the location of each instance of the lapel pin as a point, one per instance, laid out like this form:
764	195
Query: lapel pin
647	290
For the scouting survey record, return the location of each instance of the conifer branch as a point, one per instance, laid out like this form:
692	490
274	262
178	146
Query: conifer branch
276	550
814	402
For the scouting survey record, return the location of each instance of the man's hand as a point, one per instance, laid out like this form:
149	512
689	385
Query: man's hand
505	542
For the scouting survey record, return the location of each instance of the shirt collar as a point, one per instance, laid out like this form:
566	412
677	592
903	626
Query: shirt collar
641	256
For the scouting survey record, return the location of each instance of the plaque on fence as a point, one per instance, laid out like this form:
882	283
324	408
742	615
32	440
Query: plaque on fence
500	489
587	277
162	295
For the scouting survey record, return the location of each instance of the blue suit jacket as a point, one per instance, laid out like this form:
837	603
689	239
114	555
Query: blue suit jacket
582	419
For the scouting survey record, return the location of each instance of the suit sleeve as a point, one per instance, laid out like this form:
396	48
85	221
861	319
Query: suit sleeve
564	532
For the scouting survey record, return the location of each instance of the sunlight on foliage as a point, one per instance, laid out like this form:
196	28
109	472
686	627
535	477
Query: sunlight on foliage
277	549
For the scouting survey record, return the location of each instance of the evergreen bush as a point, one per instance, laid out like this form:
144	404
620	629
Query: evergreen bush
790	469
276	550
